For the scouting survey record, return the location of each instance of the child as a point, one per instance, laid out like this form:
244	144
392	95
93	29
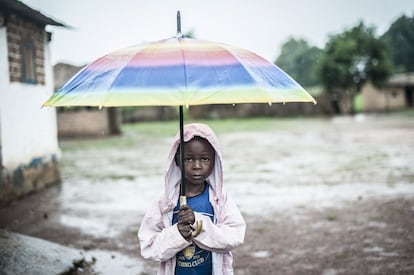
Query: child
165	234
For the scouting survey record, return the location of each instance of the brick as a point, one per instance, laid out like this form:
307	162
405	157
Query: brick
19	30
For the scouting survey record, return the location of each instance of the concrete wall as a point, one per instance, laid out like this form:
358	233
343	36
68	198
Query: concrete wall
23	32
4	77
375	100
83	123
322	107
29	145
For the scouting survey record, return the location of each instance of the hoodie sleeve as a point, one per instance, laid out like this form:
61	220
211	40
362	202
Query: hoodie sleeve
159	242
226	234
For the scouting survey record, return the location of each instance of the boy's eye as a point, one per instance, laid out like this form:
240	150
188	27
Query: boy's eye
190	159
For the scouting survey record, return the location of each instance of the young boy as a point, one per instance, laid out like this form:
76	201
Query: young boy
166	235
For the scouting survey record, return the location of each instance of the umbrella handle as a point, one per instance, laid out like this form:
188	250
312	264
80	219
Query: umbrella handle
198	226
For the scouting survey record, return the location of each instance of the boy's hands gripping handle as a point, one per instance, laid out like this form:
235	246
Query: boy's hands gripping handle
195	226
183	225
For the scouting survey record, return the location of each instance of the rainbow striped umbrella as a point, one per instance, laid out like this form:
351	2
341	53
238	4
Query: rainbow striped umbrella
179	71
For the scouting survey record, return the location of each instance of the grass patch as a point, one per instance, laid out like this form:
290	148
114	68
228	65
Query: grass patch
230	125
134	132
358	103
122	141
152	128
331	218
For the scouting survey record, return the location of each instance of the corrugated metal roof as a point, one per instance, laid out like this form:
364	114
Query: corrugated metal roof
401	80
14	6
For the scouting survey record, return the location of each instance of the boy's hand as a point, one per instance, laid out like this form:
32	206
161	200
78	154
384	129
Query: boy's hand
185	219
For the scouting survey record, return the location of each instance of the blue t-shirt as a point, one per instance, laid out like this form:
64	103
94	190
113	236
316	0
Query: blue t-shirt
193	259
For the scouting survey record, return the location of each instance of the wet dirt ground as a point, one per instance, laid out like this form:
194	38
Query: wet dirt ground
320	196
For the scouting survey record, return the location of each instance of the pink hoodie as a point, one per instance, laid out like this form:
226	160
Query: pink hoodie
161	241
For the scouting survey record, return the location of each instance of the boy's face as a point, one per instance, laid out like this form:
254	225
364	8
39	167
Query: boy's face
198	161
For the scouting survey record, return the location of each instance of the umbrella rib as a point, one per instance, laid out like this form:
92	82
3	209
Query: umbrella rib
257	78
251	73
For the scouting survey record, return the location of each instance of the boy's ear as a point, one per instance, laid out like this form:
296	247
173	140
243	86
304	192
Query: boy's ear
177	159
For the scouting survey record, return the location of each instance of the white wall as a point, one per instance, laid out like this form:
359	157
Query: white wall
28	131
4	74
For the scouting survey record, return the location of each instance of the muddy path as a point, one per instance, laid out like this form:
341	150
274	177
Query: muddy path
320	196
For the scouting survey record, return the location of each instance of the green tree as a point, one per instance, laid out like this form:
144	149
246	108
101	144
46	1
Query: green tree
190	34
400	39
350	59
299	60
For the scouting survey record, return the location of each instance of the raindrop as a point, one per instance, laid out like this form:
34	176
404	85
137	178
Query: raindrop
234	104
100	107
270	103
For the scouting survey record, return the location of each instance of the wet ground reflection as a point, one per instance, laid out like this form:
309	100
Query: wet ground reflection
311	164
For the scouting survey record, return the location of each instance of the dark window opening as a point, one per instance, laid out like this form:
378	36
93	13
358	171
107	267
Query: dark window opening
28	63
409	96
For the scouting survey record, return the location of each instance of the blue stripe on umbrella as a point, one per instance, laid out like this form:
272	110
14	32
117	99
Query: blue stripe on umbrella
173	76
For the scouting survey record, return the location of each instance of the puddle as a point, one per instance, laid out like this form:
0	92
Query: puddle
330	272
115	206
264	198
110	262
373	249
389	254
377	224
261	254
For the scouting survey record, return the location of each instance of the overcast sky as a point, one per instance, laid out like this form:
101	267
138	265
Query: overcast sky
262	26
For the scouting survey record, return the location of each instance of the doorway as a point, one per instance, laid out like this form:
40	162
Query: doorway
409	96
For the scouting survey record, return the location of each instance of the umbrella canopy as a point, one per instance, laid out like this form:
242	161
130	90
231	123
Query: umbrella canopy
179	71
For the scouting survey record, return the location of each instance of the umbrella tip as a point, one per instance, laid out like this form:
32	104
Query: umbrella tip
178	24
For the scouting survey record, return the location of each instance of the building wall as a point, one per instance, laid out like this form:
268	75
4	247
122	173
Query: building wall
20	31
4	77
84	123
375	100
29	146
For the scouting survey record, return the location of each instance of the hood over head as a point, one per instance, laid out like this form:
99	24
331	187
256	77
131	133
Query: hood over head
173	173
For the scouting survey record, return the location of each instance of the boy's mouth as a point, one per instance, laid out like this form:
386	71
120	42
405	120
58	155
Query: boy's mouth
197	177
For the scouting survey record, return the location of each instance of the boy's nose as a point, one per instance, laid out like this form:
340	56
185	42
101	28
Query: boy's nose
197	163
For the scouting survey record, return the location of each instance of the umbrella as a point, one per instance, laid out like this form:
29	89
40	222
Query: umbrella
179	71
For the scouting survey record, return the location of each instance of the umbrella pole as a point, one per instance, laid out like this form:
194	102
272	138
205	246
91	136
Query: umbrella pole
198	226
178	23
183	198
